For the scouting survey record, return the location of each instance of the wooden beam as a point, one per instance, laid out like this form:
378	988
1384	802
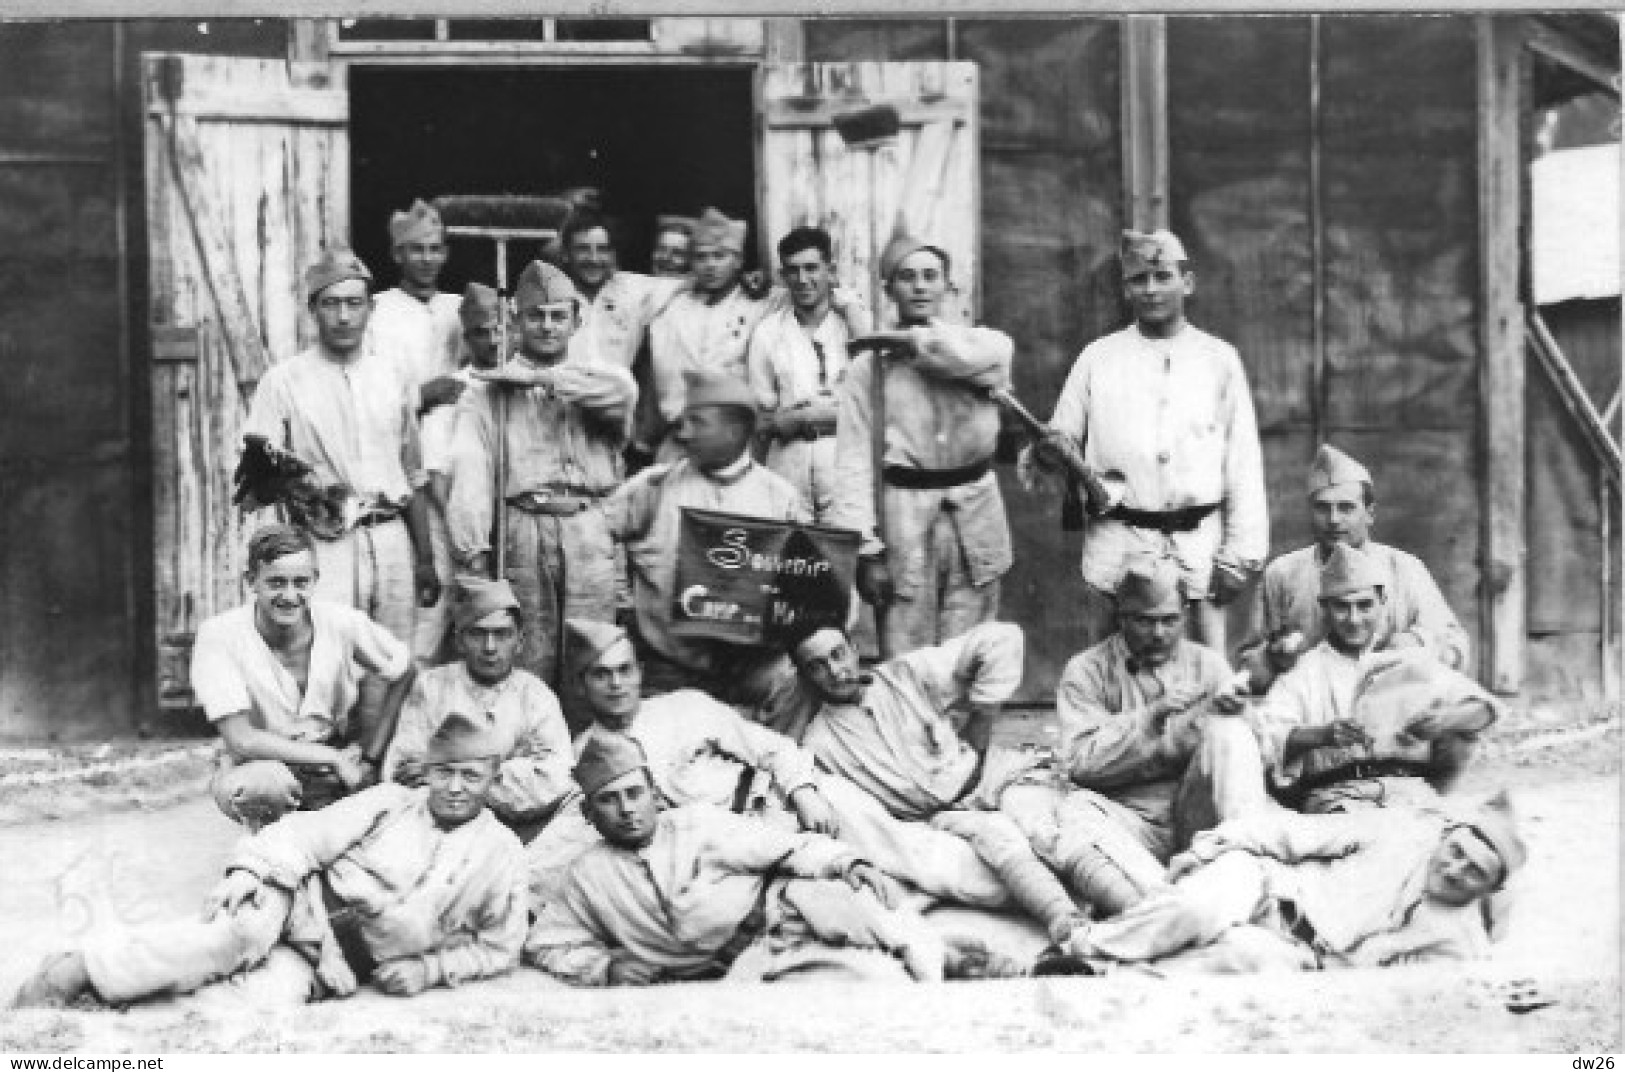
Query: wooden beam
1502	81
1557	47
1572	394
310	40
783	41
820	113
1145	120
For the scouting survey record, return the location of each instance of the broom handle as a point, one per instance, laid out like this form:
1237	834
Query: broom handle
500	536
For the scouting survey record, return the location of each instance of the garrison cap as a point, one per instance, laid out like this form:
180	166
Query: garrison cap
1351	569
1497	823
705	387
1332	467
606	757
903	246
334	266
544	284
460	738
1151	584
680	224
419	223
586	640
480	597
715	229
1140	250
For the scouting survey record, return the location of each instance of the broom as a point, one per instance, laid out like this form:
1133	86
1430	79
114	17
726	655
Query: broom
500	219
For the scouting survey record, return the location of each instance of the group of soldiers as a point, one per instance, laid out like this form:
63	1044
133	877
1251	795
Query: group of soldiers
462	734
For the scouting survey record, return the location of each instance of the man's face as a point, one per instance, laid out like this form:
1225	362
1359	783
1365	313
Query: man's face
712	436
457	790
489	646
1351	618
1152	634
624	811
809	279
1157	293
341	313
1463	868
482	344
829	664
918	286
282	588
716	269
672	254
591	257
420	261
1339	514
611	686
545	330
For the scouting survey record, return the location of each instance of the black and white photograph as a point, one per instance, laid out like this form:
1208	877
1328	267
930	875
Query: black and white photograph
638	527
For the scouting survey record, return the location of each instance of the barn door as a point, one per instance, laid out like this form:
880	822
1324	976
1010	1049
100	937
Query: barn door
927	178
247	178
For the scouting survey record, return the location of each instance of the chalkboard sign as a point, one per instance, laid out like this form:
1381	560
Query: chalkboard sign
748	580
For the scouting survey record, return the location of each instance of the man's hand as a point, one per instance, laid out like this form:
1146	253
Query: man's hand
1344	733
1229	581
350	768
403	976
409	772
1175	700
864	875
441	391
427	583
516	374
874	581
1283	652
814	812
626	969
1183	864
237	889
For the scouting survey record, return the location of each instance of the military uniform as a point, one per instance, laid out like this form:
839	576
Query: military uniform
789	366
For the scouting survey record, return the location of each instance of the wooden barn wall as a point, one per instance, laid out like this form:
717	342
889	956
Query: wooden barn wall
75	554
1566	552
1051	200
1397	386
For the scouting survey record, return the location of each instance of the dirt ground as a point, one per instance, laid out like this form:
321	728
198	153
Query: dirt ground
70	875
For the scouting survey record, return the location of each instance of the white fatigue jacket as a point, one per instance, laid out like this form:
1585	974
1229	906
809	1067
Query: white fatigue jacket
937	417
615	322
698	747
787	366
1174	417
645	514
234	670
678	900
1290	600
1106	741
425	339
454	897
1359	879
571	434
355	422
897	743
693	334
520	712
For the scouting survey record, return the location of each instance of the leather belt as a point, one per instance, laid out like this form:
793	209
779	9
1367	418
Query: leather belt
1294	794
1185	519
554	503
901	476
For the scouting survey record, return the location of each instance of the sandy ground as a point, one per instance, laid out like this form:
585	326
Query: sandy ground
66	877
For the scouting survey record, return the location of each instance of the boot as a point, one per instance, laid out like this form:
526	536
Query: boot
59	981
1008	853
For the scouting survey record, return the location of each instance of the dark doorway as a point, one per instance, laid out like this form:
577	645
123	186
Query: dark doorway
652	140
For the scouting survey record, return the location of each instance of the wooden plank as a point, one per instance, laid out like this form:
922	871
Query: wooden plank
302	107
798	113
1501	81
1572	394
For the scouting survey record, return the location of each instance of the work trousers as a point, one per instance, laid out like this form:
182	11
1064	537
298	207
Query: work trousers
560	567
1221	917
241	949
823	930
431	626
936	597
940	864
370	568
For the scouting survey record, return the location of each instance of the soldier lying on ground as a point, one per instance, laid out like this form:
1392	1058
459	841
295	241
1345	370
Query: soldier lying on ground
405	888
695	893
1297	892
